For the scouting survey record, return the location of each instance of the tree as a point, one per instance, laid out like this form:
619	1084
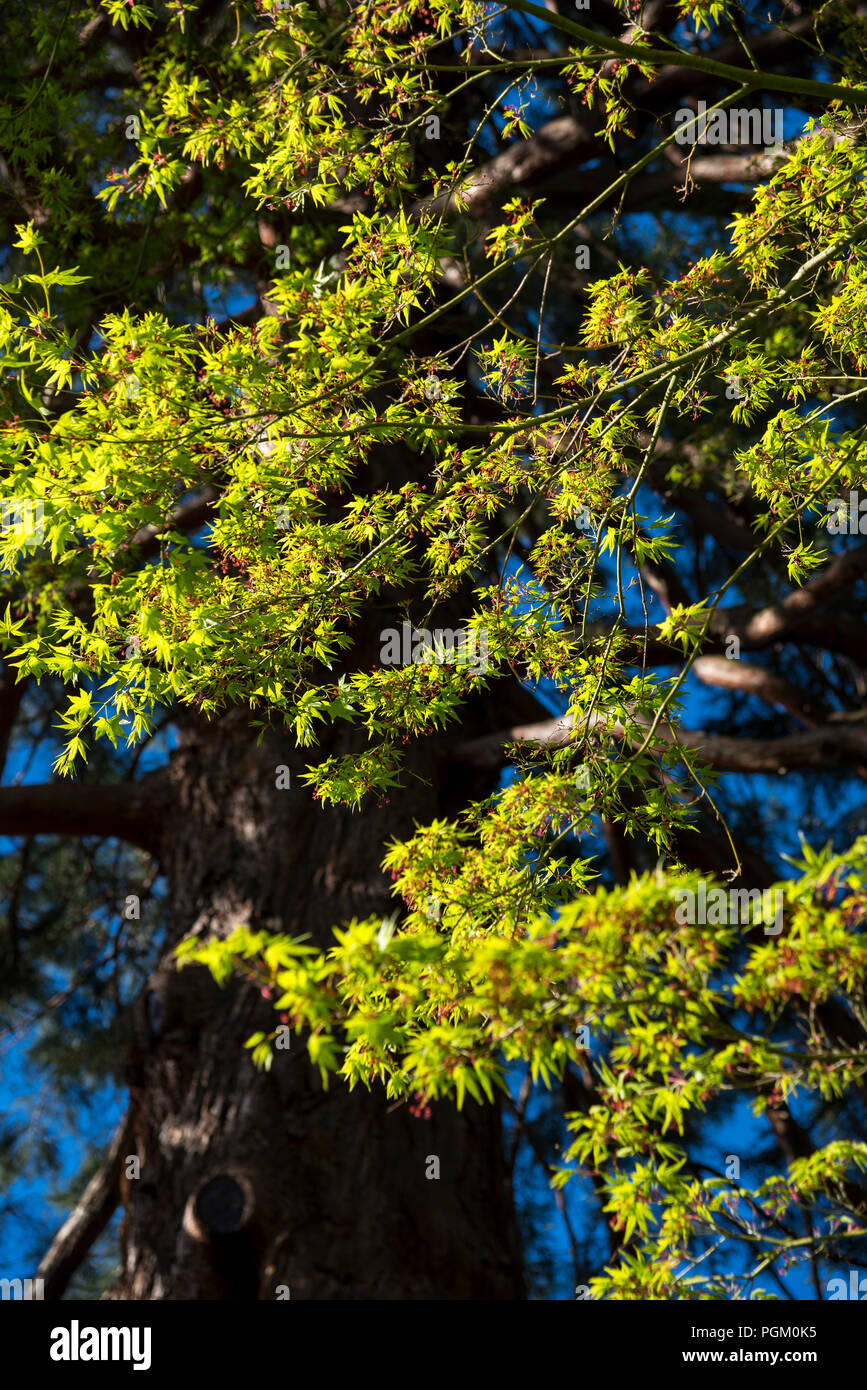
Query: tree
297	584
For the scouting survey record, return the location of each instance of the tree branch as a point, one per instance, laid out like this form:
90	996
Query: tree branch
127	811
188	516
826	746
11	692
756	680
741	76
87	1220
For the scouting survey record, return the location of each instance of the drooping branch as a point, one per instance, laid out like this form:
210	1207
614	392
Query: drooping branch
707	849
87	1220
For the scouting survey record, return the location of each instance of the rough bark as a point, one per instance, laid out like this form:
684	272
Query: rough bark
252	1180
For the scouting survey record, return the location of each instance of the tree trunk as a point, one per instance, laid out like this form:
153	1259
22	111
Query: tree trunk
262	1184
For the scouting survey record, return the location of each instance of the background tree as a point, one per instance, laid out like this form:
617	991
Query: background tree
314	338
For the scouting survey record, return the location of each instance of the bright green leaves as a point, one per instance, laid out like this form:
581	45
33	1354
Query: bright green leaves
616	315
842	321
29	238
226	515
128	14
441	1005
686	625
278	425
505	366
349	779
706	15
515	235
79	712
811	200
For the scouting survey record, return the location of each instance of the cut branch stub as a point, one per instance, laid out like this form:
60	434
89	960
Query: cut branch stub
219	1216
222	1206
